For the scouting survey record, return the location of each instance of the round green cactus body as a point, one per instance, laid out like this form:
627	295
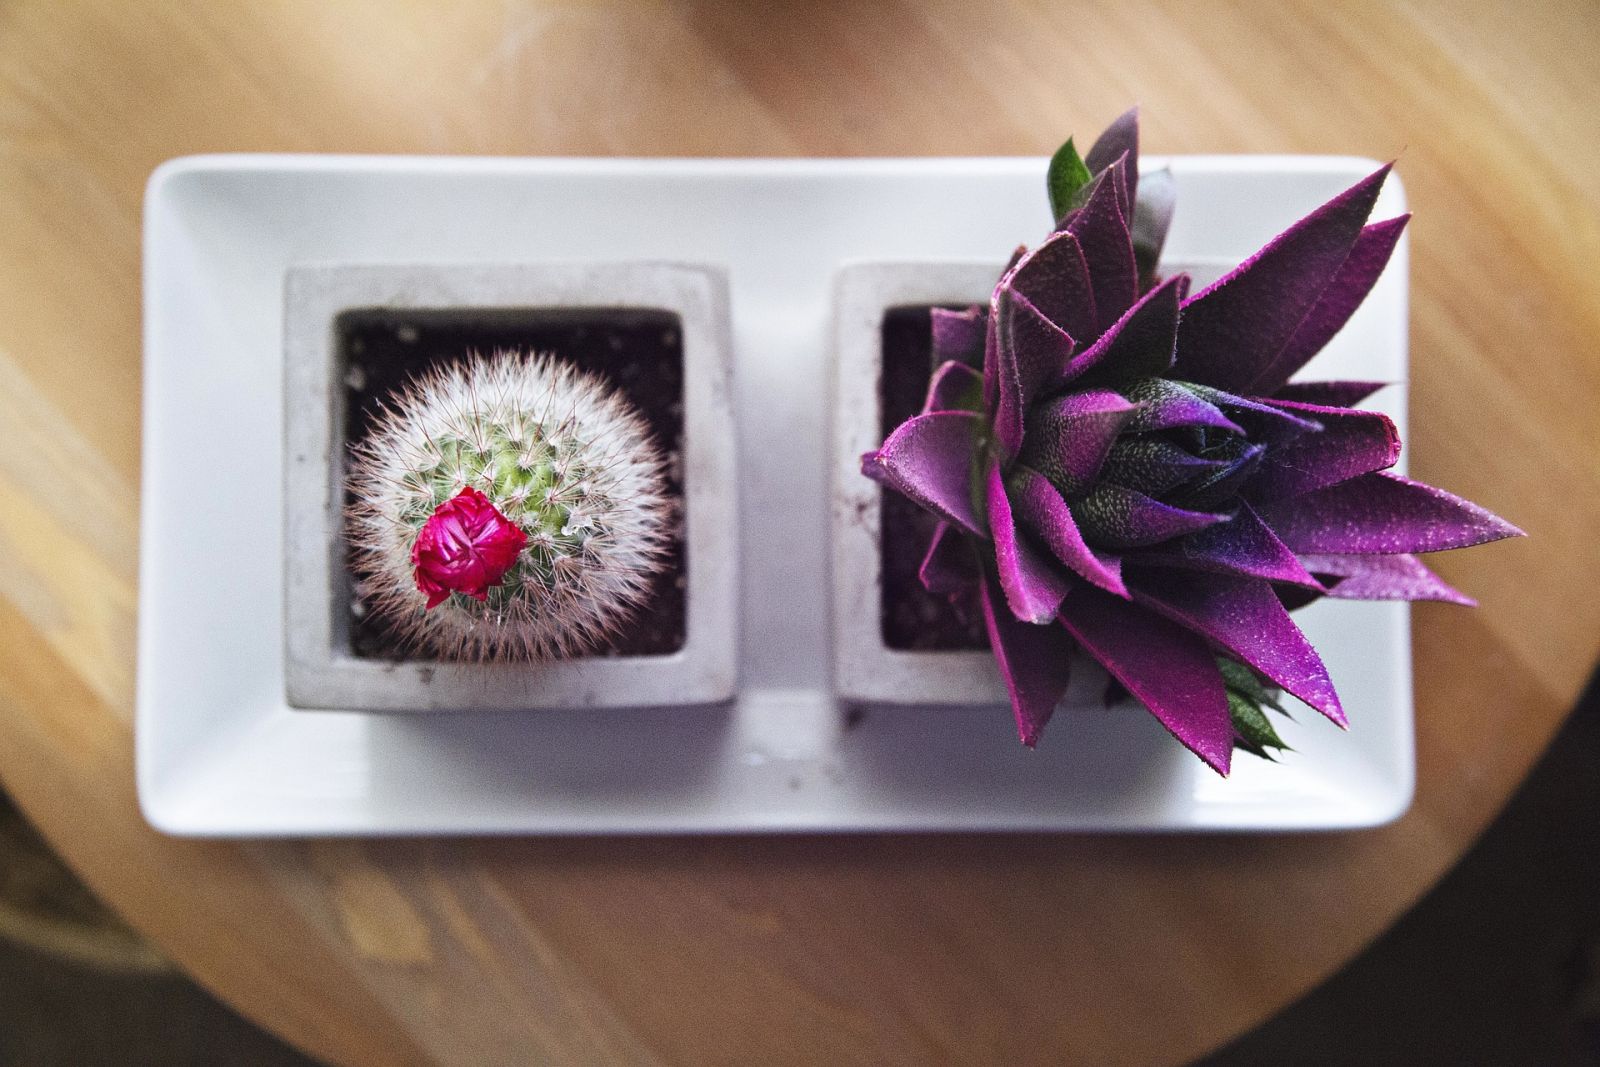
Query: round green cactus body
561	456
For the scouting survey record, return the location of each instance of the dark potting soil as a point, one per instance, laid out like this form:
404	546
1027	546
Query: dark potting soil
638	351
914	619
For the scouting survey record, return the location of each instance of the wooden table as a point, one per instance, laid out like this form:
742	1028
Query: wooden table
868	949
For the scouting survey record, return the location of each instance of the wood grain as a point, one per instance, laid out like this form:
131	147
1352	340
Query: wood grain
856	950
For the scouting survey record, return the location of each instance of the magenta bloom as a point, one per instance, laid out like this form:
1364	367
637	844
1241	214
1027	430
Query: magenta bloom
1123	467
466	546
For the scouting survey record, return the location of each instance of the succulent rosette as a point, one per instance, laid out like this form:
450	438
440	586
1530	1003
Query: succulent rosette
1124	467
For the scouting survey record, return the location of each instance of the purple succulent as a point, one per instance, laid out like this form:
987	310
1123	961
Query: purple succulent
1124	467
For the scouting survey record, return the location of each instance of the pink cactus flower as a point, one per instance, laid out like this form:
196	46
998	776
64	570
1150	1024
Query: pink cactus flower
466	546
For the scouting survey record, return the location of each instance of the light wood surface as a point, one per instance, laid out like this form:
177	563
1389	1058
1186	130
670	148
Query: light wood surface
881	950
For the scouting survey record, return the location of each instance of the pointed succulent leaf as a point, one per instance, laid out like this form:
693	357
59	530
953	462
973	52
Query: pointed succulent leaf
1328	394
1262	420
1349	287
1065	180
1232	331
949	566
1138	345
1041	510
1117	173
930	459
1054	279
1244	681
958	335
1115	517
1244	617
1165	404
1068	437
1035	663
1351	443
1032	352
1244	546
1382	513
1120	140
1170	670
1253	729
1396	577
1102	230
1152	218
1033	585
954	387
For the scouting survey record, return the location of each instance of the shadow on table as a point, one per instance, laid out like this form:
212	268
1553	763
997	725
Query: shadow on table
79	989
1499	964
1120	767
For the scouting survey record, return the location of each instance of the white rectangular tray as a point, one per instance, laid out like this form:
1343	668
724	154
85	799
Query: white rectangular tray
221	754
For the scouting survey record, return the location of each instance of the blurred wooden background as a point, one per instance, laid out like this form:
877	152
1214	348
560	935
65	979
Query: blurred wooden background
903	950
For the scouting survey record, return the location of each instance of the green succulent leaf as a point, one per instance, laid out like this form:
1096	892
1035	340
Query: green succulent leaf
1252	729
1248	695
1066	180
1244	681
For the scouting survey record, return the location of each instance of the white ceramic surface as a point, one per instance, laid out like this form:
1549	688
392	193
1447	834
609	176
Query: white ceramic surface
219	751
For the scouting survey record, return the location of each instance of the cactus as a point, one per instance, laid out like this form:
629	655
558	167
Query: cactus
508	508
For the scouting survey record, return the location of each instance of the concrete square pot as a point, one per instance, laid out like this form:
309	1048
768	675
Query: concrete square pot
866	669
322	668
